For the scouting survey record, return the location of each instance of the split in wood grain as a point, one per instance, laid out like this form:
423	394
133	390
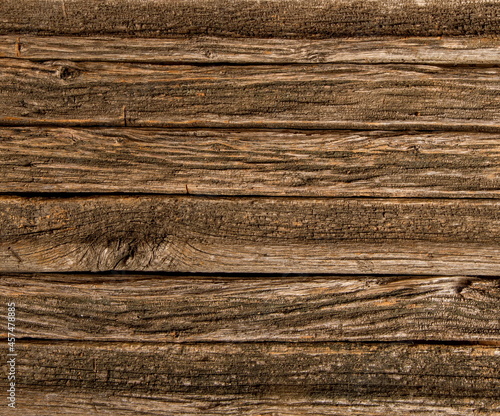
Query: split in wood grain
217	309
223	162
250	235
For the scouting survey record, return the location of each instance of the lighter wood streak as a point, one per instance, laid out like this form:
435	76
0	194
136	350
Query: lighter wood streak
211	50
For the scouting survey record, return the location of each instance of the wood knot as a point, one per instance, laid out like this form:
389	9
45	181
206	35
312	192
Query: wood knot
462	284
415	149
65	72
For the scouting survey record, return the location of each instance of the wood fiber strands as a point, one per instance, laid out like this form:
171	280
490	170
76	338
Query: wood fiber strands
250	162
250	207
251	18
220	50
306	308
250	235
347	96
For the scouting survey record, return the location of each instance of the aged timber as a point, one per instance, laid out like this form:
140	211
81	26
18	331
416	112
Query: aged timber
180	404
263	235
332	370
243	162
275	96
114	307
213	50
251	18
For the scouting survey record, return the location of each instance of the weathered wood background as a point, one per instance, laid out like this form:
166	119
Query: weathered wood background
250	207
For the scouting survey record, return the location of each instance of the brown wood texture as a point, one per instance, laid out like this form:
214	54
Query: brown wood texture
251	207
251	18
39	402
250	235
214	50
215	371
271	308
275	96
228	162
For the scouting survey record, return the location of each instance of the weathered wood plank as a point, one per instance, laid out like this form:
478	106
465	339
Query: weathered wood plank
298	96
263	235
221	162
251	18
68	402
211	50
445	373
306	308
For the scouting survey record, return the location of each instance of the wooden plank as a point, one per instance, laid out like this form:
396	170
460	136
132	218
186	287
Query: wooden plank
305	308
261	235
222	162
212	50
330	371
298	96
251	18
64	402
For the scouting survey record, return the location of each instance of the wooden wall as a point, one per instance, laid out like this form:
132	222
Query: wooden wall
249	207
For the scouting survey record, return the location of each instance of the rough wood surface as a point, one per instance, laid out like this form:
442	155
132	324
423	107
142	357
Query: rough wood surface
251	18
212	50
63	402
262	235
305	308
298	96
445	373
222	162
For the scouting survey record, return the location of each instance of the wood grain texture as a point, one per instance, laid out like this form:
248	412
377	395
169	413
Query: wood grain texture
58	402
445	374
251	18
305	308
213	50
223	162
299	96
261	235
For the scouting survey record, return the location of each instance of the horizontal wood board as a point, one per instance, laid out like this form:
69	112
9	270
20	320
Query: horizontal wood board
40	401
326	96
251	18
314	370
250	235
157	308
245	162
239	51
